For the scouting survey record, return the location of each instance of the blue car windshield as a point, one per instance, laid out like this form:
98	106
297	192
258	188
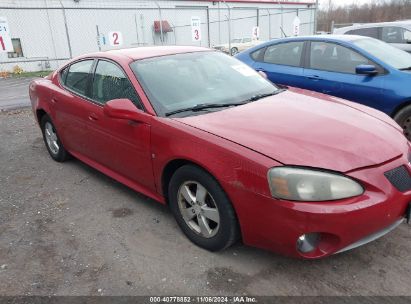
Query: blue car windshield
390	55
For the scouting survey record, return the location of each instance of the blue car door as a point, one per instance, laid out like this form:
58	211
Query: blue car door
282	63
331	69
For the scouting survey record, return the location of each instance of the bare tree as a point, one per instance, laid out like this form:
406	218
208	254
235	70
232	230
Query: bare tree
376	11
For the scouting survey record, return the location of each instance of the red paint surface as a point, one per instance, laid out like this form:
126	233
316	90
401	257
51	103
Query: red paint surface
238	146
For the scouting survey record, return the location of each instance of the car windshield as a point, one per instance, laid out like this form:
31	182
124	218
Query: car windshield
390	55
181	81
236	40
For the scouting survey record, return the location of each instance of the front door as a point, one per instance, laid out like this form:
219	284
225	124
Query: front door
119	145
332	70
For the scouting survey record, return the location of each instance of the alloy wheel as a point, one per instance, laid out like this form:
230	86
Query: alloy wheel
198	209
51	138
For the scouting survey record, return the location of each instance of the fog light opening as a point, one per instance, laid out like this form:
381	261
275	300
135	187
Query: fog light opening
308	242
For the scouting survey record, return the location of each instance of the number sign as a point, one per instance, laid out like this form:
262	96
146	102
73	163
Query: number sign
115	38
256	32
196	28
296	26
5	39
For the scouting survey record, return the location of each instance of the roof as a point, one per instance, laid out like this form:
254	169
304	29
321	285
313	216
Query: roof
335	38
362	25
147	52
323	37
281	2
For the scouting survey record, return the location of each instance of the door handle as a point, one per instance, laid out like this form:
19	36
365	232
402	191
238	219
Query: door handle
260	70
93	117
54	100
314	77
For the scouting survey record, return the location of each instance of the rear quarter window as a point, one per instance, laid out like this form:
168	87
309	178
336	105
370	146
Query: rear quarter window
63	75
257	55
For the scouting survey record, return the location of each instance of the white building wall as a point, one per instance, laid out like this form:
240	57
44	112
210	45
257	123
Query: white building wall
45	39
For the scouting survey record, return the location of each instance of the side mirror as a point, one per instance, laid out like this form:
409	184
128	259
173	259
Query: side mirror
122	109
366	69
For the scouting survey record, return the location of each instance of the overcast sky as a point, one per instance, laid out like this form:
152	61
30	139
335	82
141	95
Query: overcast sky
324	3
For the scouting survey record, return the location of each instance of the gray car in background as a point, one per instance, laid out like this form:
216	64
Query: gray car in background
397	33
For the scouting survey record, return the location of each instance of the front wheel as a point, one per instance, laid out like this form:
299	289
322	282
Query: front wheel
202	209
403	118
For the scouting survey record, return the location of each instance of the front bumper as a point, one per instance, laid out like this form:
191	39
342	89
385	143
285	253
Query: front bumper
276	225
372	237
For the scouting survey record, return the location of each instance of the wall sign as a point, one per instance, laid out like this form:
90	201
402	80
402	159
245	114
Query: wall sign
296	26
196	28
5	39
256	32
115	38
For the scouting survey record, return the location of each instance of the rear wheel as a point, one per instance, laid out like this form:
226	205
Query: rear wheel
202	209
52	141
403	118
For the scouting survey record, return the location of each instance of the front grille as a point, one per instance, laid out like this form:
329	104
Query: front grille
400	178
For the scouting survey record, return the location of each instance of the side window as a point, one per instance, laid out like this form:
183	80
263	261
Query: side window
394	34
284	53
110	82
368	32
334	58
77	76
247	40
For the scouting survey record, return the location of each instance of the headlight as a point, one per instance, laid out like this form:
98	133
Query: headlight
300	184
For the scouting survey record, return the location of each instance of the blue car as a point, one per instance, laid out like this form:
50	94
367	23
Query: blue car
357	68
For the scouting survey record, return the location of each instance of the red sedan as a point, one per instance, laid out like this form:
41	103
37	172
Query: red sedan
234	156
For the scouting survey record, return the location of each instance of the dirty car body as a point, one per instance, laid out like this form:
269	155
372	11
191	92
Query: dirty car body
271	152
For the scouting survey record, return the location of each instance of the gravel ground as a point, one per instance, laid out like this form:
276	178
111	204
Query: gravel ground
14	93
66	229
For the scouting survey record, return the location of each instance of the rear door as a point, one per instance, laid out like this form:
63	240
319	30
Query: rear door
282	63
69	104
331	69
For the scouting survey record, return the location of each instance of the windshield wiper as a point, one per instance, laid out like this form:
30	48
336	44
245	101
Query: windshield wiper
406	69
261	96
204	106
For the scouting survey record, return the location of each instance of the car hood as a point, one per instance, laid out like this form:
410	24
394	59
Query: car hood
303	128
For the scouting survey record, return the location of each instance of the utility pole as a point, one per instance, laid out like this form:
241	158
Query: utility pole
282	18
161	23
316	18
229	26
66	27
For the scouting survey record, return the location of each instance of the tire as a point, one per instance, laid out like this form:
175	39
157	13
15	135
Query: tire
403	118
233	51
192	180
52	140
